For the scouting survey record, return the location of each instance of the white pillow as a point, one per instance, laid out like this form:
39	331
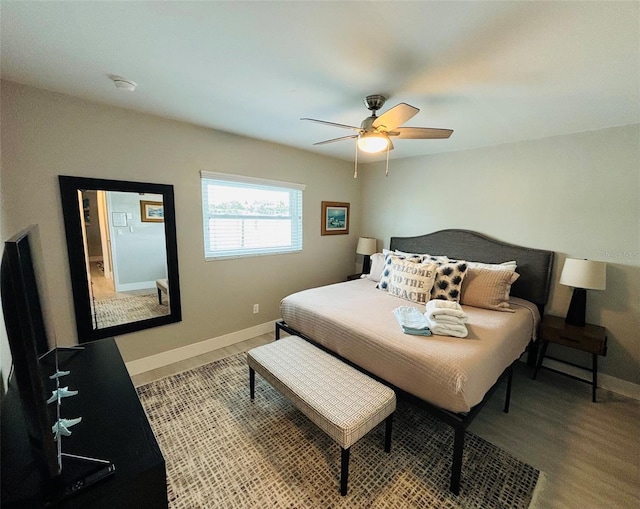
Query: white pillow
511	265
377	266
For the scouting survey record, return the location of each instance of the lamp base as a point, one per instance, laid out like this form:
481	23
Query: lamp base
366	264
577	308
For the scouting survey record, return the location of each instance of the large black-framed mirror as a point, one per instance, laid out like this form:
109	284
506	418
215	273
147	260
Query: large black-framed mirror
123	255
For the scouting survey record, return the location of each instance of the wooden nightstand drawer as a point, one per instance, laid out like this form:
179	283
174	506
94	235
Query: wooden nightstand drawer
575	339
589	338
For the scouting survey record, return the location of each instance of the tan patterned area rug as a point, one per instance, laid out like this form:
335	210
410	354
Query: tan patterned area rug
224	451
110	312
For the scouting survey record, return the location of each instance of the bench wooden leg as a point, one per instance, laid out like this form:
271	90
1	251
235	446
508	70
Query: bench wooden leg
159	296
388	423
252	382
344	470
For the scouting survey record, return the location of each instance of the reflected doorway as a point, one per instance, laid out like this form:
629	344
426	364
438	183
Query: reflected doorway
94	208
118	296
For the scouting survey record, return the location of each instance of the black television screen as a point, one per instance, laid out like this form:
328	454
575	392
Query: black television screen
27	337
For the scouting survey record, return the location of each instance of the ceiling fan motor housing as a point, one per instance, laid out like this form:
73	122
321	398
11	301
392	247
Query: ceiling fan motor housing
374	102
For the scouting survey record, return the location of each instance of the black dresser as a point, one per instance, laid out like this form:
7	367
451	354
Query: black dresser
114	427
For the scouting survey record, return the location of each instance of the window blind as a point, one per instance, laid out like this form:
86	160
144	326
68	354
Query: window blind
248	216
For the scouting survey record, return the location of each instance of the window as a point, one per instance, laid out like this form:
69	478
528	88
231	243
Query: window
246	216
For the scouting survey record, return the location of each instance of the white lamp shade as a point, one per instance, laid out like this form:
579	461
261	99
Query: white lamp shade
366	246
585	274
372	142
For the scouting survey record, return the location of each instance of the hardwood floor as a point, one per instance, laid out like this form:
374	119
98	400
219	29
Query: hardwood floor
589	452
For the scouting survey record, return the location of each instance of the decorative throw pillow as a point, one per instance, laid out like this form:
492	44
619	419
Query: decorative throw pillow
488	288
424	257
411	280
386	271
377	265
448	282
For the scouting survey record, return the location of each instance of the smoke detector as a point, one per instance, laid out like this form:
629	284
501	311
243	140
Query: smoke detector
123	83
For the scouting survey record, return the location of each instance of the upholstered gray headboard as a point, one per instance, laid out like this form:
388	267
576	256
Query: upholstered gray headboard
534	265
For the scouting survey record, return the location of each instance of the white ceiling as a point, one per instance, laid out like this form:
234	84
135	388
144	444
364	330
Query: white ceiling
495	72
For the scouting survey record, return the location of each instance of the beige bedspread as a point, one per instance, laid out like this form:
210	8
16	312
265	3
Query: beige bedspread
355	320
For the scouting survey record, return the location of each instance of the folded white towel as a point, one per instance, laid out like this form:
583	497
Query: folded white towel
443	304
446	329
458	316
447	319
437	308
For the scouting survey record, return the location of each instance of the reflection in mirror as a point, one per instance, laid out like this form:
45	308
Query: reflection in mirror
122	255
127	258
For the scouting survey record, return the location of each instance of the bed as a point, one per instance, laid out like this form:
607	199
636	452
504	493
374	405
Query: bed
451	377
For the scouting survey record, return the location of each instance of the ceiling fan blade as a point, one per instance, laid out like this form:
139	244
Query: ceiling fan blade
420	133
337	139
343	126
396	116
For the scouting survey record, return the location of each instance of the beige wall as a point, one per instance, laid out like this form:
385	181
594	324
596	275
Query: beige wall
578	195
46	134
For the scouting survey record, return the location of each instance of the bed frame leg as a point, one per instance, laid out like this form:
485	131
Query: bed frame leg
532	355
456	468
252	383
507	399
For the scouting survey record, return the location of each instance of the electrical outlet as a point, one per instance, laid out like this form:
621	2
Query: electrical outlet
256	308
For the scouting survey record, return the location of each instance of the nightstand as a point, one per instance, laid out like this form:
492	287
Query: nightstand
352	277
588	338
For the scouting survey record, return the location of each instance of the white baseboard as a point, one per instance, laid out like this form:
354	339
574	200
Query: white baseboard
142	285
607	382
159	360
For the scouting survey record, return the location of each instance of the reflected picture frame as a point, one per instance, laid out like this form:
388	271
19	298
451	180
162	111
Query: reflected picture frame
335	218
151	211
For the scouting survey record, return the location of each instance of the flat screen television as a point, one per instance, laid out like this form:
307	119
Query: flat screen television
59	475
27	337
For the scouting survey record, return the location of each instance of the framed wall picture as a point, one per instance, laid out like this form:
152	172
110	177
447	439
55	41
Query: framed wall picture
335	218
151	211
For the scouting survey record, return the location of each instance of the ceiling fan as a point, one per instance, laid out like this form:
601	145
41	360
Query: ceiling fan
375	133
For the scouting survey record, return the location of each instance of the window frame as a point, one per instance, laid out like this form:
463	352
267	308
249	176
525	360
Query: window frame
296	208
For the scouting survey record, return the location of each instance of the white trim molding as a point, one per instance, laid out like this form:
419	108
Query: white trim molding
159	360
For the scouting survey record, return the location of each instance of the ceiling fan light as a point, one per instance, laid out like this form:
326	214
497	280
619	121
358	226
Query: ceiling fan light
372	142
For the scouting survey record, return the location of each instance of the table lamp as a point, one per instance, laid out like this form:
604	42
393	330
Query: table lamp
582	275
366	247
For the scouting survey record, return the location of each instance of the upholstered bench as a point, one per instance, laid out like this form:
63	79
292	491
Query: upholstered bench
343	402
163	287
